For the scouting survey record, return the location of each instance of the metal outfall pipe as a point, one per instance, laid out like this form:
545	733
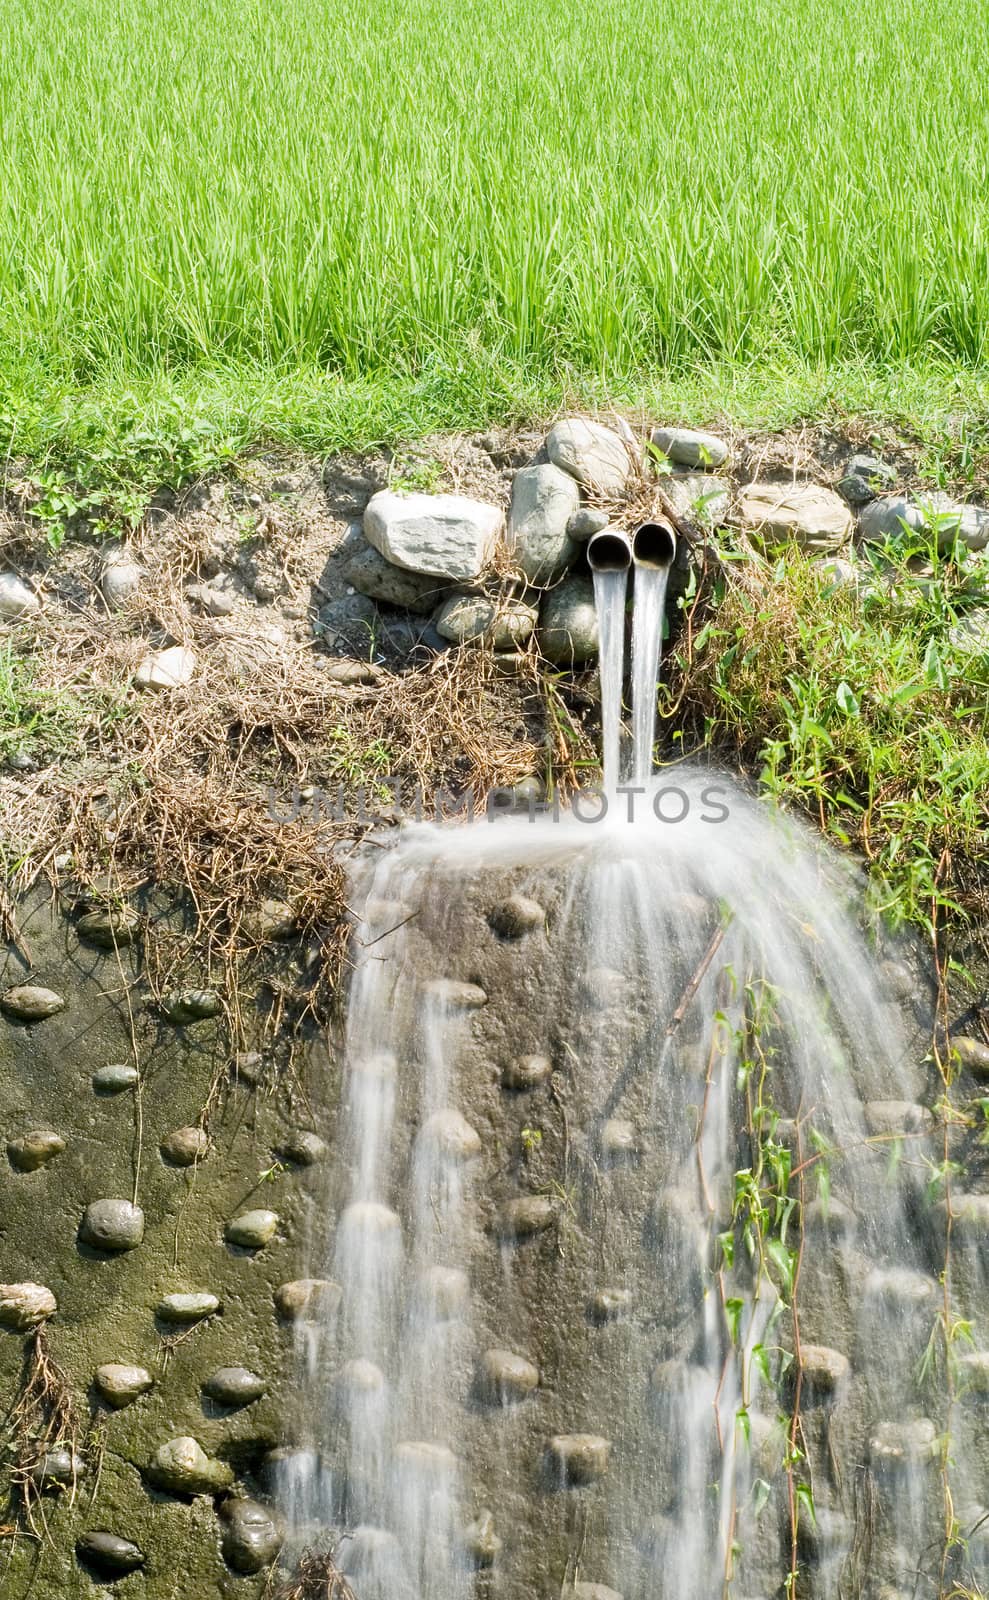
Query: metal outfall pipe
654	544
609	551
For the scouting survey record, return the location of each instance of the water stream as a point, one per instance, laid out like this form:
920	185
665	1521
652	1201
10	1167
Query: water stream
631	1158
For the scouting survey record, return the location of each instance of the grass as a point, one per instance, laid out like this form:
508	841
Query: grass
856	708
337	227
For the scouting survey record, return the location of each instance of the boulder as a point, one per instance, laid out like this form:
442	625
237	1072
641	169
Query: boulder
115	1078
233	1386
108	927
864	478
112	1225
689	447
24	1305
445	536
183	1147
579	1458
30	1003
969	636
600	459
371	574
252	1230
516	916
16	599
699	496
543	501
586	522
173	668
797	513
108	1553
532	1214
121	577
504	624
568	629
120	1385
504	1378
251	1538
34	1150
182	1467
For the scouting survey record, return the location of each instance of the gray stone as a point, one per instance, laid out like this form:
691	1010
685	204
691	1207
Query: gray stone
351	623
504	624
371	574
115	1078
543	501
191	1005
452	995
424	1456
307	1299
896	1117
451	1135
251	1538
58	1469
884	518
516	916
173	668
973	1054
113	1225
688	447
504	1378
34	1150
252	1230
970	634
956	519
109	927
699	496
24	1305
568	629
902	1289
824	1370
271	920
121	577
120	1385
586	522
838	572
903	1444
354	1383
579	1458
609	1305
183	1147
302	1148
481	1543
794	513
864	478
247	1067
599	458
527	1072
108	1553
618	1142
187	1308
28	1002
215	602
233	1386
182	1467
591	1591
532	1214
16	599
446	536
443	1293
973	1370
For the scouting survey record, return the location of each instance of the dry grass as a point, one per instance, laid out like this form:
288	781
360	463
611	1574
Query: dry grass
317	1577
42	1417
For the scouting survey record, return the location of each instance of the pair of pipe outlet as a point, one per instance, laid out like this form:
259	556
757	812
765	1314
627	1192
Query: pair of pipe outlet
653	544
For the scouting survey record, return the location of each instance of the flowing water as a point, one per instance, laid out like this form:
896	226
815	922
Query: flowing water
631	1172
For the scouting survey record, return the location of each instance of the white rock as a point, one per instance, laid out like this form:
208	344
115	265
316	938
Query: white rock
16	599
598	457
443	535
167	669
699	495
24	1305
801	513
690	448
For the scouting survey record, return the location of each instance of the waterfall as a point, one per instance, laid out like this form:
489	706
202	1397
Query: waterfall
633	1158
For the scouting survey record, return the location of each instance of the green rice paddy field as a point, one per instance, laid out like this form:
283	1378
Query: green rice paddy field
331	219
